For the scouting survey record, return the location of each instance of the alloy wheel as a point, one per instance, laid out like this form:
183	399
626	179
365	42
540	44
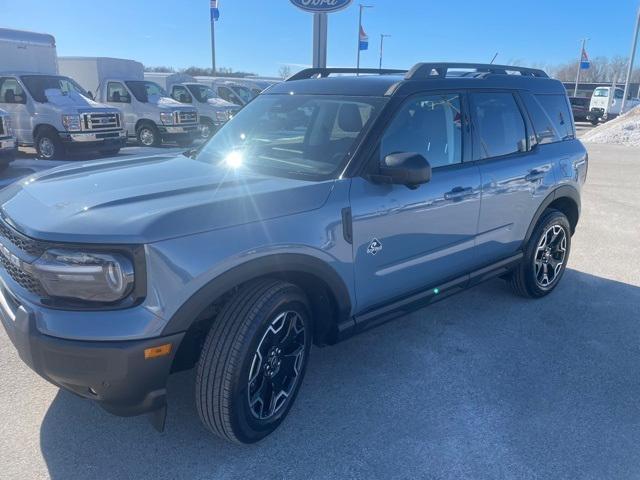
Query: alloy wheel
147	137
46	147
276	365
550	256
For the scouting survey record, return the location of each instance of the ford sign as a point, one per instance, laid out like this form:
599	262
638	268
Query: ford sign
321	6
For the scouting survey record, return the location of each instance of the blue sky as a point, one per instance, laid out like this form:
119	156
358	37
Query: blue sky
261	35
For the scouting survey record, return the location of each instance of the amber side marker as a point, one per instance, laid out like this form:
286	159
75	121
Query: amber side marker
159	351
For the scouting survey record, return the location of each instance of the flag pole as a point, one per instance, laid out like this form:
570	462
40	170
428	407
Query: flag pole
213	46
361	7
575	90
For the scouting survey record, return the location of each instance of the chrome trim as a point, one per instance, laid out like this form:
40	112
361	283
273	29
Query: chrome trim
91	137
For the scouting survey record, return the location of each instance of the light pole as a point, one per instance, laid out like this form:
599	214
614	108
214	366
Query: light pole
382	37
362	7
630	67
584	43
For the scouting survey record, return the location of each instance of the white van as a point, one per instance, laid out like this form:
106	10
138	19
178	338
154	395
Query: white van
229	90
603	108
150	114
50	111
213	111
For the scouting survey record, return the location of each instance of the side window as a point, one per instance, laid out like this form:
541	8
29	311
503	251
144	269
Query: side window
430	125
499	123
226	94
557	108
545	130
181	94
619	94
117	93
11	91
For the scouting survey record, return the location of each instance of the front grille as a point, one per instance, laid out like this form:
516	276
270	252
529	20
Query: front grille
32	247
187	117
21	277
101	121
22	242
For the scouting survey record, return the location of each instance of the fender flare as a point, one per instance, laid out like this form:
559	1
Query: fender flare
275	264
564	191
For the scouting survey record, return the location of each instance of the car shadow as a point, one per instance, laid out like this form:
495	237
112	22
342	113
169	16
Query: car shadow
480	385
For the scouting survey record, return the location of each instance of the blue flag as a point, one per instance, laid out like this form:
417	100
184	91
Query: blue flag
215	12
584	61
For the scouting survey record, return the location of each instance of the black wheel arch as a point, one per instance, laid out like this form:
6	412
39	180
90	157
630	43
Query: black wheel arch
145	121
43	127
327	292
565	198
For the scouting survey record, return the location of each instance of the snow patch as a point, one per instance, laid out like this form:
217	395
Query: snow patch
623	130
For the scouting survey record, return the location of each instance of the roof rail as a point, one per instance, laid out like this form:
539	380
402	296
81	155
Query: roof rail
425	70
325	72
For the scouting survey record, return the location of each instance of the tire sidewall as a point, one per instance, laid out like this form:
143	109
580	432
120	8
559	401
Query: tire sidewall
246	426
57	147
552	218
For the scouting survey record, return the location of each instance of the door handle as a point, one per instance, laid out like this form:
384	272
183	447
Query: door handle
534	175
458	193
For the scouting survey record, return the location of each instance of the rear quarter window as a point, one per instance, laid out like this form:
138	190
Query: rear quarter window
557	109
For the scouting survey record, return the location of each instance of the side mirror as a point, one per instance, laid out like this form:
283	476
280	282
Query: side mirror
407	168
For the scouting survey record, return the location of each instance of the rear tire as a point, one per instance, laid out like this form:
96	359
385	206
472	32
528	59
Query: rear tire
49	146
253	361
545	257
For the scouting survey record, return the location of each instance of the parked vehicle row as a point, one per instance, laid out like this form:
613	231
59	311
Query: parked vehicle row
605	106
63	104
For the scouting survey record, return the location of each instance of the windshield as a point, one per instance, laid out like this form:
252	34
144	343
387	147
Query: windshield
293	135
601	92
142	90
202	92
38	84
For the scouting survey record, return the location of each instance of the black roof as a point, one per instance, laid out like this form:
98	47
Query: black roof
423	76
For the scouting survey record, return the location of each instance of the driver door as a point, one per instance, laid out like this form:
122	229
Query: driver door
405	240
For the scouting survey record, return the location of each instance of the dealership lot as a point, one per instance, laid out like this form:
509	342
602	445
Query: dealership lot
481	385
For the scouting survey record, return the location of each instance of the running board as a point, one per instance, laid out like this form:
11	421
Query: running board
397	308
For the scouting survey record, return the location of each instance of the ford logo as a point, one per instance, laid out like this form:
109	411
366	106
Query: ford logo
321	6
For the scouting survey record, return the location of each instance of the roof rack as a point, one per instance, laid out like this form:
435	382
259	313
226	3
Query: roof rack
425	70
325	72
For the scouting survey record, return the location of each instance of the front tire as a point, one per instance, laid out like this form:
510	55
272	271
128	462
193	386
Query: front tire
545	257
49	146
253	361
148	135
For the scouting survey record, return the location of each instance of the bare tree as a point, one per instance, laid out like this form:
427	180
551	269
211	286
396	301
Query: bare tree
284	72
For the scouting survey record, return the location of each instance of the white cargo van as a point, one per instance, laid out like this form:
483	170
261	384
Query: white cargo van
213	111
602	107
49	111
8	145
229	90
150	114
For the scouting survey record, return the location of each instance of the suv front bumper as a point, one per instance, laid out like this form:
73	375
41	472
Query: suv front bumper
114	374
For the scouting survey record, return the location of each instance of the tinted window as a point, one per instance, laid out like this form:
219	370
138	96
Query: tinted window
201	92
142	90
117	93
11	91
557	109
499	123
619	94
181	94
430	125
545	131
229	96
601	92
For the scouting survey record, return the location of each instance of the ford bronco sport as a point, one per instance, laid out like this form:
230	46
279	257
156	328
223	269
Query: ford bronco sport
329	204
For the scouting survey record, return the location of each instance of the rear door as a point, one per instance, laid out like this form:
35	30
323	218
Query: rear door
405	239
515	175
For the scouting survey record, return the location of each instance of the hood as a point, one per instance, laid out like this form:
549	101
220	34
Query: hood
72	100
219	102
150	199
168	103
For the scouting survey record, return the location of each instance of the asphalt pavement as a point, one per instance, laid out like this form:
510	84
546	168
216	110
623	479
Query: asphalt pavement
481	385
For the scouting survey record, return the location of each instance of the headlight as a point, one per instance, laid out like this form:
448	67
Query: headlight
71	122
90	276
222	115
166	118
8	125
